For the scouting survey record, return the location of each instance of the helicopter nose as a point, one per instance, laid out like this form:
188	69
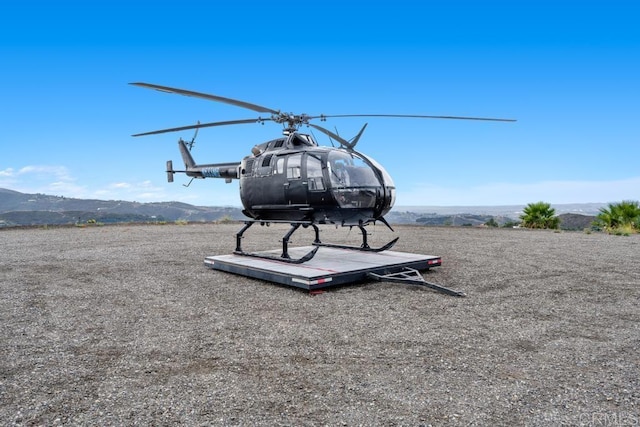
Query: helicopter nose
387	199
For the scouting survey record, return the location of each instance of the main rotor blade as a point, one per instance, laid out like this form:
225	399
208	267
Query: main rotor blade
343	142
356	138
217	98
322	117
338	138
202	125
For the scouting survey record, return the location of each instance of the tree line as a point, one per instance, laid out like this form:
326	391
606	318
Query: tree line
621	218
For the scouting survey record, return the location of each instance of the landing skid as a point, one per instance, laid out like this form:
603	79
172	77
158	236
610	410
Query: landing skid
361	248
285	257
364	247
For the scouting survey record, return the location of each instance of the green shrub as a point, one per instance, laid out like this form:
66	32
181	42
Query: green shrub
510	224
539	215
491	223
620	218
225	220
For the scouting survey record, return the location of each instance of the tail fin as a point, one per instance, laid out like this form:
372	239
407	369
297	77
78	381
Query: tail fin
170	171
186	155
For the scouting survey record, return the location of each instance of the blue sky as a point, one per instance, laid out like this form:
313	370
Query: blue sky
566	70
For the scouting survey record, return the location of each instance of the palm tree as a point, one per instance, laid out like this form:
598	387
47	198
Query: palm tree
539	215
625	214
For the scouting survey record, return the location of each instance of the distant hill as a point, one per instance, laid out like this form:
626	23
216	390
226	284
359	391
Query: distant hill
511	211
19	209
38	209
577	216
433	218
575	221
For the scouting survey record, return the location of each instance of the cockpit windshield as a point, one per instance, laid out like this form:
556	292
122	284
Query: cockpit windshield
347	170
353	180
388	182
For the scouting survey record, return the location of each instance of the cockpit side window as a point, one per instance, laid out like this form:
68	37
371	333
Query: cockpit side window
314	173
294	166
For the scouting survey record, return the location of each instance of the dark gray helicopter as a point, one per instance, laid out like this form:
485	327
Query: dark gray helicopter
294	180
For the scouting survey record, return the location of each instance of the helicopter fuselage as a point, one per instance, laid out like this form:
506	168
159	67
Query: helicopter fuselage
294	179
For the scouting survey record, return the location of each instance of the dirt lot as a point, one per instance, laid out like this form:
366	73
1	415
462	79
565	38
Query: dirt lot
124	325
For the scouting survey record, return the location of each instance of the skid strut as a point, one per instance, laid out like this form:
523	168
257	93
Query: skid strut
295	225
285	245
365	244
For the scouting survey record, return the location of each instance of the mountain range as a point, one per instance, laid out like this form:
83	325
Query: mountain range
20	209
39	209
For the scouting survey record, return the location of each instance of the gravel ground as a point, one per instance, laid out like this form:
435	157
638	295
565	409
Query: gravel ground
123	325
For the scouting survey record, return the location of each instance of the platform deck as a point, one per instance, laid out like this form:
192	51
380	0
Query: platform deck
329	267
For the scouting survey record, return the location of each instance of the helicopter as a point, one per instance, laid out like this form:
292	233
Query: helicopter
292	179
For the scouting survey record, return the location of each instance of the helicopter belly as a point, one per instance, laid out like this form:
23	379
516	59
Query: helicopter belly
316	214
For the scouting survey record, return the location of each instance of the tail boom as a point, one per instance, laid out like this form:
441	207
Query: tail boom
227	171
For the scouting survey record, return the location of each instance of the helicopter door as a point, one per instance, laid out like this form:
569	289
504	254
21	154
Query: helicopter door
295	188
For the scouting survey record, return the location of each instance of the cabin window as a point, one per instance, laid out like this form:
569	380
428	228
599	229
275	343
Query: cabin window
314	173
248	168
262	166
280	165
267	160
294	163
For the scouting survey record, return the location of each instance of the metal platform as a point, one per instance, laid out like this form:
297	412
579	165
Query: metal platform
331	267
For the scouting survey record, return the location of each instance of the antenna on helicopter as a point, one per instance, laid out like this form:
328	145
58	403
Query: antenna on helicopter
189	146
330	139
193	140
